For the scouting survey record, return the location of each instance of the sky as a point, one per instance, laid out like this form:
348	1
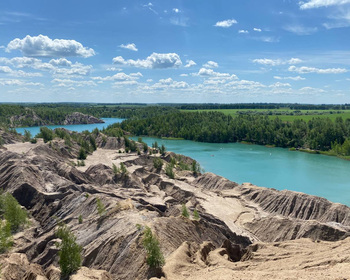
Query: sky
179	51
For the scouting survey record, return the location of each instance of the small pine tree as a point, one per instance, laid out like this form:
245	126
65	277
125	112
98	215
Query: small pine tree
70	251
184	211
27	135
155	258
13	212
82	153
5	236
169	171
162	150
100	207
157	163
196	215
123	169
145	147
116	170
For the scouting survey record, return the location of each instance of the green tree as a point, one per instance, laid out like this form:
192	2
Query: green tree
5	236
123	169
155	258
27	135
170	171
162	150
46	134
82	154
80	219
157	162
13	212
196	215
100	207
184	211
116	170
70	251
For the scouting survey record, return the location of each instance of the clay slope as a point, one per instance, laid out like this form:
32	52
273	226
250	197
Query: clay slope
43	179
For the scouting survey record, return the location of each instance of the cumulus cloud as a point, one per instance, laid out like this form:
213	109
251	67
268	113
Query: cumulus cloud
131	47
20	73
210	73
257	29
176	10
211	64
119	77
276	62
297	78
244	84
18	83
243	31
77	69
310	90
305	70
279	84
46	47
311	4
61	62
226	23
154	61
300	30
166	84
190	63
70	83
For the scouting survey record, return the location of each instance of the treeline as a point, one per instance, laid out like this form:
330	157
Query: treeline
215	127
265	106
55	114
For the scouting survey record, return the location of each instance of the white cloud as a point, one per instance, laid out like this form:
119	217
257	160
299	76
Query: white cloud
131	47
300	30
246	85
297	78
176	10
211	64
46	47
149	80
190	63
125	83
311	90
305	70
210	73
70	83
340	19
267	39
243	31
114	69
257	29
60	62
77	69
5	69
154	61
148	5
226	23
276	62
18	83
119	77
184	75
311	4
19	73
278	84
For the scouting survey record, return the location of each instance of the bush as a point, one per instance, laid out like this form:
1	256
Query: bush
93	143
116	170
157	163
145	147
123	169
150	242
82	154
195	167
162	150
27	135
80	219
169	171
100	207
196	215
184	211
45	133
33	141
13	212
5	236
70	251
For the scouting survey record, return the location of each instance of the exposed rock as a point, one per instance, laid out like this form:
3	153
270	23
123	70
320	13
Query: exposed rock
232	216
80	118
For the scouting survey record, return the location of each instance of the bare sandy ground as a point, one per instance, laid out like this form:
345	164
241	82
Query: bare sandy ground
21	148
298	259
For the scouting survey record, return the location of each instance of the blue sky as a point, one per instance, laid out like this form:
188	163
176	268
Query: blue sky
175	51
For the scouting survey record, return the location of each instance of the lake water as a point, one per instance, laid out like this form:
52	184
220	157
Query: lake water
266	167
74	127
277	168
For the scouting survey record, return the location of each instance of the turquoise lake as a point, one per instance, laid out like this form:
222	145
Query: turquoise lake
74	127
266	167
277	168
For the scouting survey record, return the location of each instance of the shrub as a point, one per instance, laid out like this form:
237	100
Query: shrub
82	154
13	212
46	134
80	219
70	251
33	141
27	135
150	242
170	171
100	207
157	163
123	169
67	141
145	147
162	150
116	170
195	167
5	236
184	211
196	215
93	143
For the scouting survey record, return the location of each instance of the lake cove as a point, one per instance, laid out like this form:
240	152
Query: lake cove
75	127
277	168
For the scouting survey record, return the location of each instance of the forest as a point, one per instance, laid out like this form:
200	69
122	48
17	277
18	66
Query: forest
320	134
